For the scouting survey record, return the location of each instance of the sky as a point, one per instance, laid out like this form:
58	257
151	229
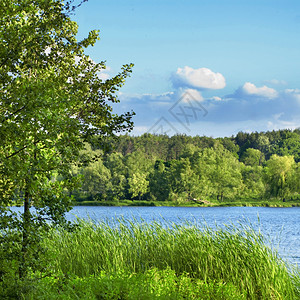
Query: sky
206	67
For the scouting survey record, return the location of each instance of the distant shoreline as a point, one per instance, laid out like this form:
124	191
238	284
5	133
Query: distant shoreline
190	204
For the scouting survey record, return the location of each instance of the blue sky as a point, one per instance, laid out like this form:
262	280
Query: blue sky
206	67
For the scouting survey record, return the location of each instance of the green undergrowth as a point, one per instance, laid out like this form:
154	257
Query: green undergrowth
122	255
152	284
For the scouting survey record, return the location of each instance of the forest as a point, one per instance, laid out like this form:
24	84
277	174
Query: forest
181	168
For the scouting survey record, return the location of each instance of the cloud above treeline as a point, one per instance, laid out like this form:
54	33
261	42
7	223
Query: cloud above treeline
248	108
202	78
264	91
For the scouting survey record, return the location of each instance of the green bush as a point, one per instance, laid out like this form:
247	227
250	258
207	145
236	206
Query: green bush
153	284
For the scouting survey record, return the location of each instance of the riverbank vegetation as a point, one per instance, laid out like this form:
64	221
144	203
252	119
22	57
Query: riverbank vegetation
248	169
240	203
125	259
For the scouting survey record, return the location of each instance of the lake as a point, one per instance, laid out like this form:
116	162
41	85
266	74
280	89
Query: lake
279	225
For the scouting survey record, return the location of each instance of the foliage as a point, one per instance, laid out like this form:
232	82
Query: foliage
236	256
219	172
153	284
253	179
252	157
203	169
52	102
138	185
279	175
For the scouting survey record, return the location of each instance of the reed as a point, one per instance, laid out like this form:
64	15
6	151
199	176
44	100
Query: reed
235	255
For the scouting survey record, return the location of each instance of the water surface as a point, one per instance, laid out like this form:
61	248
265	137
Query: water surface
281	226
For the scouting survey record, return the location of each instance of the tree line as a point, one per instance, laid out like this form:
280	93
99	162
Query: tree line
180	168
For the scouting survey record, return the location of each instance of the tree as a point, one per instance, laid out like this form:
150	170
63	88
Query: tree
158	182
289	144
117	185
182	180
279	175
253	157
254	186
219	172
96	179
296	179
230	145
138	169
52	101
138	184
263	144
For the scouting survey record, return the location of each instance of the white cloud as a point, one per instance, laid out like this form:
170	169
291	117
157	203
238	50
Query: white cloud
140	129
216	98
191	93
167	97
202	78
247	109
293	91
276	82
264	91
279	124
293	95
103	76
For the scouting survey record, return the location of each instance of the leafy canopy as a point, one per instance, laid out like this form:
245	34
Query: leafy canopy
52	101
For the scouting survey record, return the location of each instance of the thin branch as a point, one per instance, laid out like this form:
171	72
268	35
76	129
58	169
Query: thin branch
17	152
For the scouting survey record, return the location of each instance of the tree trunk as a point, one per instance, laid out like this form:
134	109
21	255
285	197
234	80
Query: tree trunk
25	233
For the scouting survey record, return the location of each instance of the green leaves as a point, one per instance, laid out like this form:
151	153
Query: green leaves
52	101
280	172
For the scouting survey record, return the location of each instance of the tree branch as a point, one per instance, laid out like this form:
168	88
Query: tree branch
20	150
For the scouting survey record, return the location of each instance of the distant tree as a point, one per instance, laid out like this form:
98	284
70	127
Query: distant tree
189	150
219	172
253	183
230	145
137	167
117	186
183	182
96	180
176	146
279	175
243	141
288	145
263	144
253	157
158	182
138	185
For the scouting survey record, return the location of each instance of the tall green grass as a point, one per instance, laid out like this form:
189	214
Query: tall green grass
232	255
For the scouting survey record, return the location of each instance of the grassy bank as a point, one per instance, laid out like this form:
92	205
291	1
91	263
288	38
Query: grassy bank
122	259
137	203
130	258
211	203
